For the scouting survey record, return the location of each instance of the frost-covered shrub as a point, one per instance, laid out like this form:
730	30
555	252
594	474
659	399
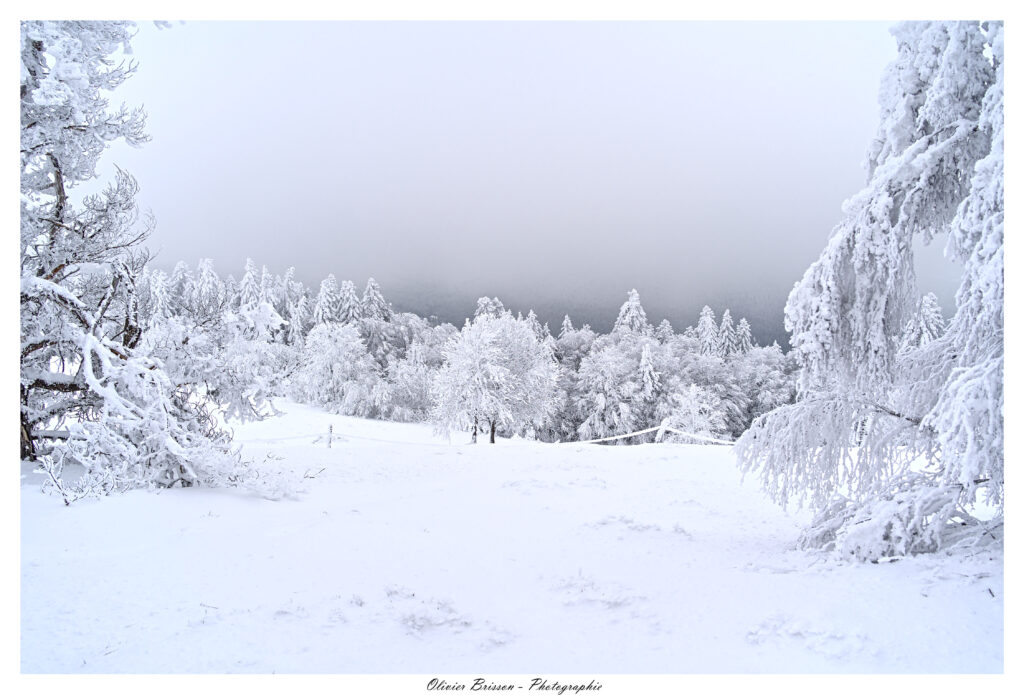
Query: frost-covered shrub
916	515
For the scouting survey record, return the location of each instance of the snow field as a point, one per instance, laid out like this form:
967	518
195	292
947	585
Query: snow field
404	553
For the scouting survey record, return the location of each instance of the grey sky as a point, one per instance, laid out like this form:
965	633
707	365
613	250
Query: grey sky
556	165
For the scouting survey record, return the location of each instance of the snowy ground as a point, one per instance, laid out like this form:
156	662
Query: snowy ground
406	554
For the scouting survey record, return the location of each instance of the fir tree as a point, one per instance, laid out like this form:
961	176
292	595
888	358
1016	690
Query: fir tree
728	341
566	327
351	307
327	302
249	287
744	338
708	333
926	325
374	304
664	332
299	318
632	316
179	286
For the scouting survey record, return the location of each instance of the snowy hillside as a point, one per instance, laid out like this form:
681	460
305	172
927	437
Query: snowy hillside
404	553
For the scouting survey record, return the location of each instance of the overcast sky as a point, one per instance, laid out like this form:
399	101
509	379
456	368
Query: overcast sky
555	165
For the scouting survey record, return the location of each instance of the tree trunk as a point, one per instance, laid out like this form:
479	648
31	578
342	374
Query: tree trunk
28	447
474	431
493	427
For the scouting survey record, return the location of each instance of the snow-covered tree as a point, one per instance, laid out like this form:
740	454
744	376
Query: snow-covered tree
566	326
650	380
158	306
632	316
768	378
250	286
205	299
744	337
179	285
300	317
708	333
935	167
327	305
337	373
728	339
534	323
664	331
496	375
486	305
350	306
926	324
90	393
610	387
411	378
374	305
691	409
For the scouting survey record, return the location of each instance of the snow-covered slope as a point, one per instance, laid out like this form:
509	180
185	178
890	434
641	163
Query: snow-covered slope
404	553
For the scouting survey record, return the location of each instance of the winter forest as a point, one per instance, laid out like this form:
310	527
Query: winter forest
225	418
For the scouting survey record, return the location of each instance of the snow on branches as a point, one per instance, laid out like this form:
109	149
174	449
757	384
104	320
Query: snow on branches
875	422
496	375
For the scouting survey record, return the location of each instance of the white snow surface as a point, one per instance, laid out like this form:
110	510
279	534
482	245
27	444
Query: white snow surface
404	553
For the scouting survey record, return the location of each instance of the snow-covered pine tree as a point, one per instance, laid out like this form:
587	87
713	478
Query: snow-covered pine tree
327	305
179	285
207	300
650	387
632	316
90	395
266	285
650	380
728	340
534	323
374	305
231	292
566	327
159	307
708	333
376	325
610	383
744	337
935	166
351	307
664	331
300	318
285	295
250	286
926	324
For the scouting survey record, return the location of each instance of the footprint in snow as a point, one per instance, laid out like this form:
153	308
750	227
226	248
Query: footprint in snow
781	630
422	615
